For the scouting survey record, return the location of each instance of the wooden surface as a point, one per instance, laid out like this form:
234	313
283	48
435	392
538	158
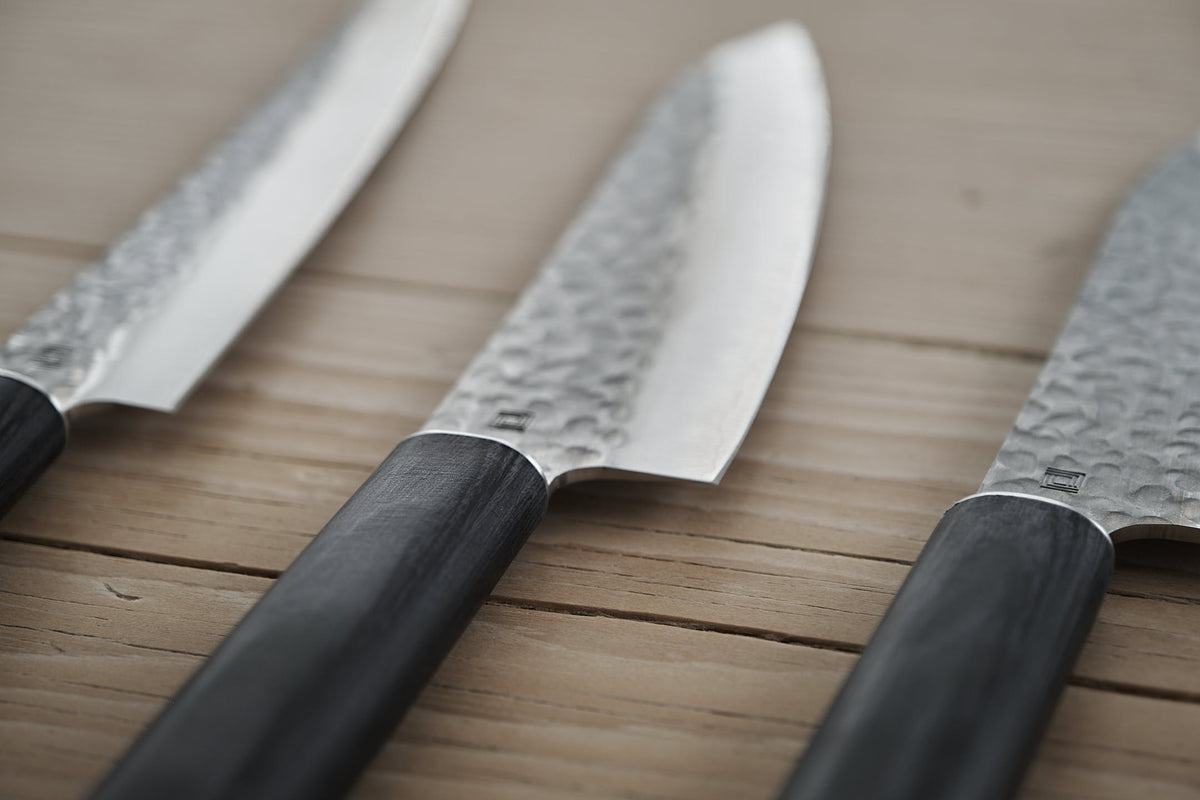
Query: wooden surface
652	640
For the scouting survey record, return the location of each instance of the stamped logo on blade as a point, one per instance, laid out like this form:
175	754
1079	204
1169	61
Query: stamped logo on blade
512	420
1063	480
51	356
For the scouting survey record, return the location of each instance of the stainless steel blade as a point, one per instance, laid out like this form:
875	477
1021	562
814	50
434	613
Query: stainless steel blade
1112	428
648	340
143	323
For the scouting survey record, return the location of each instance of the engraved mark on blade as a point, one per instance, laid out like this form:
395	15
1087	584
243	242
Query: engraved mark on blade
130	279
51	356
1063	480
573	346
1119	398
512	420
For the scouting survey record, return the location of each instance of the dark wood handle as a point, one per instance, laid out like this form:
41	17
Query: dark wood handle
32	434
953	691
308	686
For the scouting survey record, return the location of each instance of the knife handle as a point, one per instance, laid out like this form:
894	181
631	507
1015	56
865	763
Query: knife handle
954	689
32	434
311	683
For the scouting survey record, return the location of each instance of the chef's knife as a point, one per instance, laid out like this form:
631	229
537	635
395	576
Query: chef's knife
954	689
144	322
643	347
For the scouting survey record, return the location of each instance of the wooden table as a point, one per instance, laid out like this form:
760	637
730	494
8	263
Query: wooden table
652	640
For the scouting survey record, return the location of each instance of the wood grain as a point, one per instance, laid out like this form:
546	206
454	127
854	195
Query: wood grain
652	640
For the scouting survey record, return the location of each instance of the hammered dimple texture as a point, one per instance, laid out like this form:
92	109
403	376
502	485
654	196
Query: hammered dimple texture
561	372
1116	412
68	343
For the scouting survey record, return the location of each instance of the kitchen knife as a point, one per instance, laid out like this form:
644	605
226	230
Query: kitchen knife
144	322
955	687
643	347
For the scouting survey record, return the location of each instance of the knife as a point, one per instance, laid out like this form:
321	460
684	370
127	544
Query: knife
644	346
953	690
143	323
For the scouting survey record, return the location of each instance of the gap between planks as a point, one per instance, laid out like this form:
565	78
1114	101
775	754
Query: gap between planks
549	607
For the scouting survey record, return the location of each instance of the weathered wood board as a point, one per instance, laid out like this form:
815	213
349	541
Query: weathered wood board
653	640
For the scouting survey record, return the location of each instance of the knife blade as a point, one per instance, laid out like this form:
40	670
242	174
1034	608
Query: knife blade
143	323
953	690
644	346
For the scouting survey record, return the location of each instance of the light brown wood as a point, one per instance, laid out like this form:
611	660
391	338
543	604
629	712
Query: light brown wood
566	701
653	639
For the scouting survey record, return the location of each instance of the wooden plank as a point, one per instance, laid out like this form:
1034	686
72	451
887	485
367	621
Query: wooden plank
772	549
979	150
531	704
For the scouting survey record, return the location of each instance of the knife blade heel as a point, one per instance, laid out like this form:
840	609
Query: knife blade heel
32	434
311	682
954	689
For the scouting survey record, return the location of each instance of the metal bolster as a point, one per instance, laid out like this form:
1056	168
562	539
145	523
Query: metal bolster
1099	528
533	463
32	384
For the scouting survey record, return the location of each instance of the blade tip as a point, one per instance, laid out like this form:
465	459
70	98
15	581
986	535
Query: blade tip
783	34
787	45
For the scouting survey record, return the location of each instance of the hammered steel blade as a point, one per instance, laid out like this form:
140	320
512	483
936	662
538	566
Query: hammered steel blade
143	323
1112	428
648	341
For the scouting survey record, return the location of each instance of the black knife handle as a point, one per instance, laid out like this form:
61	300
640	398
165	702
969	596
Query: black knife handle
32	434
954	689
309	685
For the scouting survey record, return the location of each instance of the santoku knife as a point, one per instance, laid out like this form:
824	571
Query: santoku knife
144	322
954	689
643	347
